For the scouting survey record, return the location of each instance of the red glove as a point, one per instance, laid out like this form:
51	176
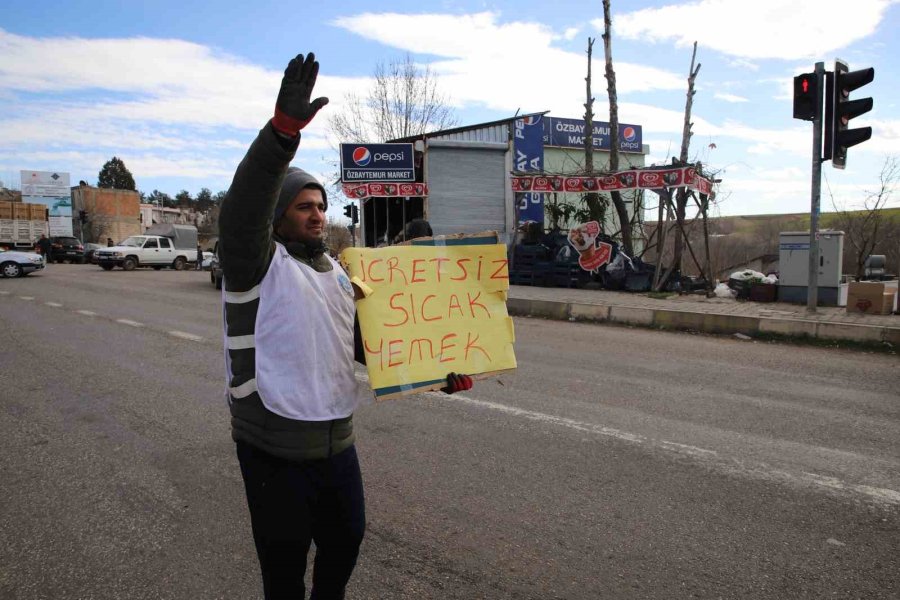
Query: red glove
293	109
457	383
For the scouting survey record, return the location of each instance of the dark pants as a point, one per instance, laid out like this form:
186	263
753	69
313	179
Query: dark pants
292	503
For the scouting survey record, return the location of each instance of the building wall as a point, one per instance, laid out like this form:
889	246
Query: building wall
571	161
111	213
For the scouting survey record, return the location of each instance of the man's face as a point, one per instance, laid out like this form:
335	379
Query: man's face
304	219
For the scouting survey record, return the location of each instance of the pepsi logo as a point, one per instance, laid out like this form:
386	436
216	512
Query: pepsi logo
362	156
629	134
531	119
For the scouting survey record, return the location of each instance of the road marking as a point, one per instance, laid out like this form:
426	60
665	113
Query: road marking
27	297
129	322
4	293
86	313
53	304
760	470
186	336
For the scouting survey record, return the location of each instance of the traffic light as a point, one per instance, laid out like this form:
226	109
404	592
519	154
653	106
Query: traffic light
352	213
837	135
806	94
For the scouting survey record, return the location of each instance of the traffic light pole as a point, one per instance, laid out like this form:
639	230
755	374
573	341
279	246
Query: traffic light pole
812	288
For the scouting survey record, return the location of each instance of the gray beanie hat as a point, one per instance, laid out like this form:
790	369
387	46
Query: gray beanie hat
295	180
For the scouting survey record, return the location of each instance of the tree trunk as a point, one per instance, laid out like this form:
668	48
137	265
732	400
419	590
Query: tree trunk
618	203
703	204
591	198
681	198
664	195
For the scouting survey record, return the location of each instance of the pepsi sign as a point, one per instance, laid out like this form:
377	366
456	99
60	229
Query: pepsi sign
377	162
570	133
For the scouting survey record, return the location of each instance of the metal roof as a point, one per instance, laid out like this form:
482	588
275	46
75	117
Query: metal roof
481	132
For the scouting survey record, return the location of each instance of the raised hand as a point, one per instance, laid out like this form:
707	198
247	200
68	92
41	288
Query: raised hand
293	109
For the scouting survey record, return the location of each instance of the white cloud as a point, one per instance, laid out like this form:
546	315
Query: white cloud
757	30
741	63
570	33
482	62
729	97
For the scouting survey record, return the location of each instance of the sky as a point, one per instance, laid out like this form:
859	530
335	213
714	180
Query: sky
178	90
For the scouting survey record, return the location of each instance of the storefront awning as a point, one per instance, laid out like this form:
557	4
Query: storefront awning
631	179
359	191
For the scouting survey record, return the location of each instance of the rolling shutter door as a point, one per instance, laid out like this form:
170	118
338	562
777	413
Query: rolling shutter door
467	188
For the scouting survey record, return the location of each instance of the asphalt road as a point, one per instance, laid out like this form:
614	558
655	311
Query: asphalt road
614	463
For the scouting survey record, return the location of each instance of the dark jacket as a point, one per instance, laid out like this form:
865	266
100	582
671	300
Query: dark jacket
246	247
44	245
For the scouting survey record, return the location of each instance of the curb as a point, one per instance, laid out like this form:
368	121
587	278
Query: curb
704	322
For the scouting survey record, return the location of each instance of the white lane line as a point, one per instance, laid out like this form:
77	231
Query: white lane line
27	297
87	313
53	304
4	293
882	496
186	336
129	322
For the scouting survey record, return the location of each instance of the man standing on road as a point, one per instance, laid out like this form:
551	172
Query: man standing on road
290	349
44	246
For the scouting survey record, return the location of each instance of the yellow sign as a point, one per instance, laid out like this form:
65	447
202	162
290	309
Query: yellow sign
431	308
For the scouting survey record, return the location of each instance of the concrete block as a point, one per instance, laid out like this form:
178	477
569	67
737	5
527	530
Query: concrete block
631	316
793	327
706	322
891	334
538	308
846	331
589	312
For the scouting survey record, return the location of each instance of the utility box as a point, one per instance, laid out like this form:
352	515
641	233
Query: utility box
793	266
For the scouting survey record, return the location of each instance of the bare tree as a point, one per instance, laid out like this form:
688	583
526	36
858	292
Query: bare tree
594	203
618	203
404	101
864	228
337	236
681	197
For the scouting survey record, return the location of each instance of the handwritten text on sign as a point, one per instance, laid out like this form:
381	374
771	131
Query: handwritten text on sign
432	310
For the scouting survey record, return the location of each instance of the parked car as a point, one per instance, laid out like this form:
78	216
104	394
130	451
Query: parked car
215	271
65	247
144	251
89	250
14	263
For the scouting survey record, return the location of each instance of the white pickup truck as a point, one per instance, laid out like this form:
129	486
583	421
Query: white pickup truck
144	251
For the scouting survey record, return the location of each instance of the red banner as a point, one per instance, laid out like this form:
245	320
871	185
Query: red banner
357	191
643	179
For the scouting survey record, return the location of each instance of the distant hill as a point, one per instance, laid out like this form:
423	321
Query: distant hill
750	225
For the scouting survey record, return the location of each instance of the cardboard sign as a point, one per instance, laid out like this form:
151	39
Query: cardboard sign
432	307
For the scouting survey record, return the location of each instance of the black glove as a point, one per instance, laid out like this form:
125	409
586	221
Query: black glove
457	383
293	110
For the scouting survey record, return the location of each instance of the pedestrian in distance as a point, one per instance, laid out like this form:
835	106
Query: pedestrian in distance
109	242
291	339
44	247
199	257
416	228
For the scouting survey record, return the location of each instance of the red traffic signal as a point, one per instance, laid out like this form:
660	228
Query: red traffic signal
806	95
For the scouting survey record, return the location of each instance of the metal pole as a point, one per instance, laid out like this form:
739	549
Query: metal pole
403	229
812	288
